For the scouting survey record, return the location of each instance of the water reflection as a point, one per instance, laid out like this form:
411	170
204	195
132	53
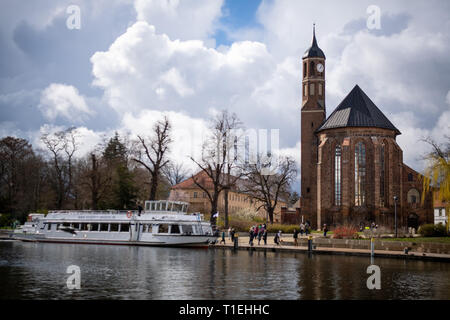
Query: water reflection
38	271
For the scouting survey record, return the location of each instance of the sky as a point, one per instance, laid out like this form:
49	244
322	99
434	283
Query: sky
131	62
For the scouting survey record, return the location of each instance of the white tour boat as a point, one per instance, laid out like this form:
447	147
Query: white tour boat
161	223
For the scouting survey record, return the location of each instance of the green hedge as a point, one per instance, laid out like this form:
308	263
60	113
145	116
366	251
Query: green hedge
432	230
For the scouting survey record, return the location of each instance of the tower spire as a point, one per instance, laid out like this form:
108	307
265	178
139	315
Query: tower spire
314	50
314	42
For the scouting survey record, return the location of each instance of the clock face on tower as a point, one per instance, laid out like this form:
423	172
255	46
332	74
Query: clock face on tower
320	67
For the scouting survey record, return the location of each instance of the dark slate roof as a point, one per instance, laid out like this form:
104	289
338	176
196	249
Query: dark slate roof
357	110
314	51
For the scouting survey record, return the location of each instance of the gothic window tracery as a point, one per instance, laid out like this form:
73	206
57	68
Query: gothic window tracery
337	175
360	174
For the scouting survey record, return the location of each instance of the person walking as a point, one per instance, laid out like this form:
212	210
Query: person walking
264	236
306	228
276	239
325	230
295	237
302	229
232	234
223	237
252	234
260	234
229	233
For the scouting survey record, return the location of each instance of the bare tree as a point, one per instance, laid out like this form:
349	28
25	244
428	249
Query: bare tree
151	152
175	173
267	186
217	157
62	146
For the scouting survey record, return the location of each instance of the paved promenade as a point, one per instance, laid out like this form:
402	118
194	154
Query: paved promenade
287	245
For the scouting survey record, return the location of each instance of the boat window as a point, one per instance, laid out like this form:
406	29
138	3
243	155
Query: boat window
147	206
163	228
76	226
84	227
49	226
66	224
174	228
153	206
93	227
124	227
103	227
187	229
114	227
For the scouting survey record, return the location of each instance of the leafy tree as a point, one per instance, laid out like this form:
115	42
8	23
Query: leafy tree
20	171
122	191
437	173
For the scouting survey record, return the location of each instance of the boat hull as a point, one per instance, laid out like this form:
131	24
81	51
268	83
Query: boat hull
191	242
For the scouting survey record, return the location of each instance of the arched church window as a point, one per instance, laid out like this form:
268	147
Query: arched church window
360	174
337	175
410	177
311	68
382	174
413	196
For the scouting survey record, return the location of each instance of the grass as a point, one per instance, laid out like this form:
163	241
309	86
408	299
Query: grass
321	232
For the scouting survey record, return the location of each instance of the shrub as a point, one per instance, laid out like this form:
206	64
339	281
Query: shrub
346	232
6	220
285	228
432	230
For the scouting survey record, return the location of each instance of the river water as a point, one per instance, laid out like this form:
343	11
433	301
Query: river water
38	271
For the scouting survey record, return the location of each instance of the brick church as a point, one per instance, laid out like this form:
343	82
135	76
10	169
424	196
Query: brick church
351	165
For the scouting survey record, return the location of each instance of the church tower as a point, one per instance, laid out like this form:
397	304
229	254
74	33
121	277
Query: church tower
312	116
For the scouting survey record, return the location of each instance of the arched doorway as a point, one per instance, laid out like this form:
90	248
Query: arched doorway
413	221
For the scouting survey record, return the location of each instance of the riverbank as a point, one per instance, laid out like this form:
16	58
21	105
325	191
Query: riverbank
5	234
321	245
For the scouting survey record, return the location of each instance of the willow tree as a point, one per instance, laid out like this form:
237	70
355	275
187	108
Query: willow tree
437	173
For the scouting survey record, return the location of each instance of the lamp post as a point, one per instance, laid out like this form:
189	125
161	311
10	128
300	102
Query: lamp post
395	214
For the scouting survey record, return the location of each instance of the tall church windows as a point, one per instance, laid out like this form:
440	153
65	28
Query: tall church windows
337	175
311	89
311	68
382	174
360	174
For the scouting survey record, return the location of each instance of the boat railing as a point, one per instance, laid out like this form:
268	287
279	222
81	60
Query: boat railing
77	212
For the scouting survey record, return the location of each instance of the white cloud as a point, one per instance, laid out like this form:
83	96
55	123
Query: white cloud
60	100
188	133
181	19
146	70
